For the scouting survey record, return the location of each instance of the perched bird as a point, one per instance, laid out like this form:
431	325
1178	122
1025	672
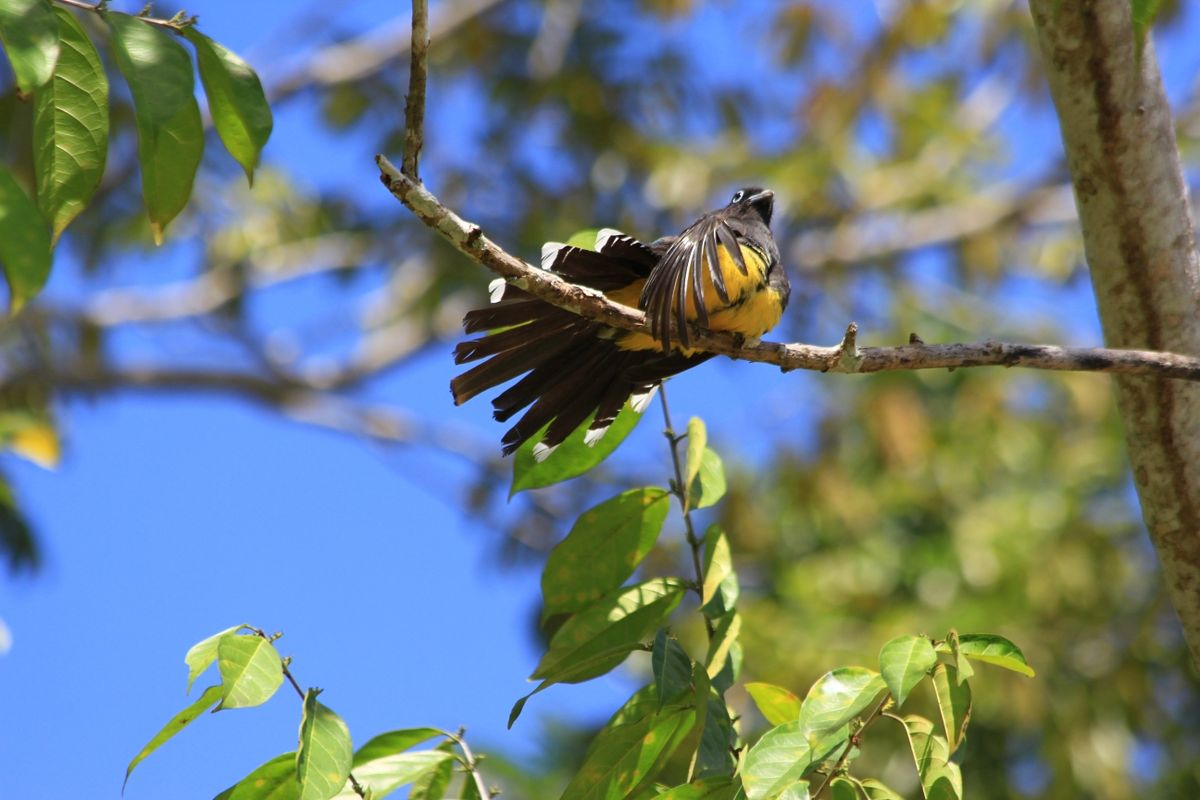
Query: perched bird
722	273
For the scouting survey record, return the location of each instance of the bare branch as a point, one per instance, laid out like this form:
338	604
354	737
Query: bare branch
178	23
414	105
844	357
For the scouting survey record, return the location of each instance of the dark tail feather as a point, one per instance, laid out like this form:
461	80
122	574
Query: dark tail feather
512	338
501	368
572	389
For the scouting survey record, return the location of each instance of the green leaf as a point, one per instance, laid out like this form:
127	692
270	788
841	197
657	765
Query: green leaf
29	32
204	652
722	646
571	458
904	662
965	670
877	790
251	670
843	789
715	756
709	484
603	549
624	759
775	703
996	650
585	238
621	618
795	791
24	243
389	773
720	581
697	442
393	742
324	757
239	107
714	787
954	703
839	696
70	127
170	134
1143	13
432	784
177	723
274	780
671	667
940	779
777	761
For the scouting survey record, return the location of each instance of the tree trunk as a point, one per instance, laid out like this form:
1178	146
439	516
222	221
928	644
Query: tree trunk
1141	249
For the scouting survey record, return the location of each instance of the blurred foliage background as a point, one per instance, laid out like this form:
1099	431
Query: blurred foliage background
918	165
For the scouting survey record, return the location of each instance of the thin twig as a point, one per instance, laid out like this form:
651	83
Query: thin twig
178	23
414	105
851	743
682	490
469	239
287	673
470	762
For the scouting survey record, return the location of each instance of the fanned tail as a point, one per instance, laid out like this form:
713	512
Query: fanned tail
574	370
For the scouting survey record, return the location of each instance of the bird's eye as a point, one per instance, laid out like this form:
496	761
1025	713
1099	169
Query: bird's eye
737	196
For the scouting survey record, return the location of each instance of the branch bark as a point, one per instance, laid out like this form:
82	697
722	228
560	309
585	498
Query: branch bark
843	357
1141	248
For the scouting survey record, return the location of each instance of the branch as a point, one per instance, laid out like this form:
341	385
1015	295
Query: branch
846	357
414	105
178	23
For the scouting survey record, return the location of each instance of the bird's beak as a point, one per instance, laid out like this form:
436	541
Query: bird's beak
765	194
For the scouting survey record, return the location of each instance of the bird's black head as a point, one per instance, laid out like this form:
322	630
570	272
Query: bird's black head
755	200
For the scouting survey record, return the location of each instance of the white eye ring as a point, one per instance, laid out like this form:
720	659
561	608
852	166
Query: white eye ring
738	195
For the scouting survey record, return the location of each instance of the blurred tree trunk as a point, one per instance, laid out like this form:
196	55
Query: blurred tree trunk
1141	249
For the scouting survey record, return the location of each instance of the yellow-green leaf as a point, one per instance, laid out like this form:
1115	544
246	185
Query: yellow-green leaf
324	757
603	548
954	703
571	458
204	652
709	484
904	662
697	441
775	703
251	670
177	723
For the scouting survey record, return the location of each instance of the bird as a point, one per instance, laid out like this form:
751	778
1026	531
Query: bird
722	273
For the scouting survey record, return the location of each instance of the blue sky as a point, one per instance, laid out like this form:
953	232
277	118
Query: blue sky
172	518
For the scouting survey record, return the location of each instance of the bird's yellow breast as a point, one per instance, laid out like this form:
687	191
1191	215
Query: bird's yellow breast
752	310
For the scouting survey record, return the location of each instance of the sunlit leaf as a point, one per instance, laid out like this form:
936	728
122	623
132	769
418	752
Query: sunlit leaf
718	570
697	443
624	617
877	790
170	135
251	670
393	742
625	758
714	787
839	696
29	32
274	780
432	784
954	703
904	662
603	548
776	761
239	108
204	652
571	458
775	703
324	756
709	484
388	773
722	645
70	128
24	243
36	442
207	700
996	650
940	778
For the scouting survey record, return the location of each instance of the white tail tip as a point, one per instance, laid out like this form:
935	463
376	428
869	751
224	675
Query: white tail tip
550	251
542	451
640	402
594	435
496	290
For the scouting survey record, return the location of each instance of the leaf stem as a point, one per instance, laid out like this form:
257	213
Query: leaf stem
683	492
851	743
178	23
470	762
287	673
